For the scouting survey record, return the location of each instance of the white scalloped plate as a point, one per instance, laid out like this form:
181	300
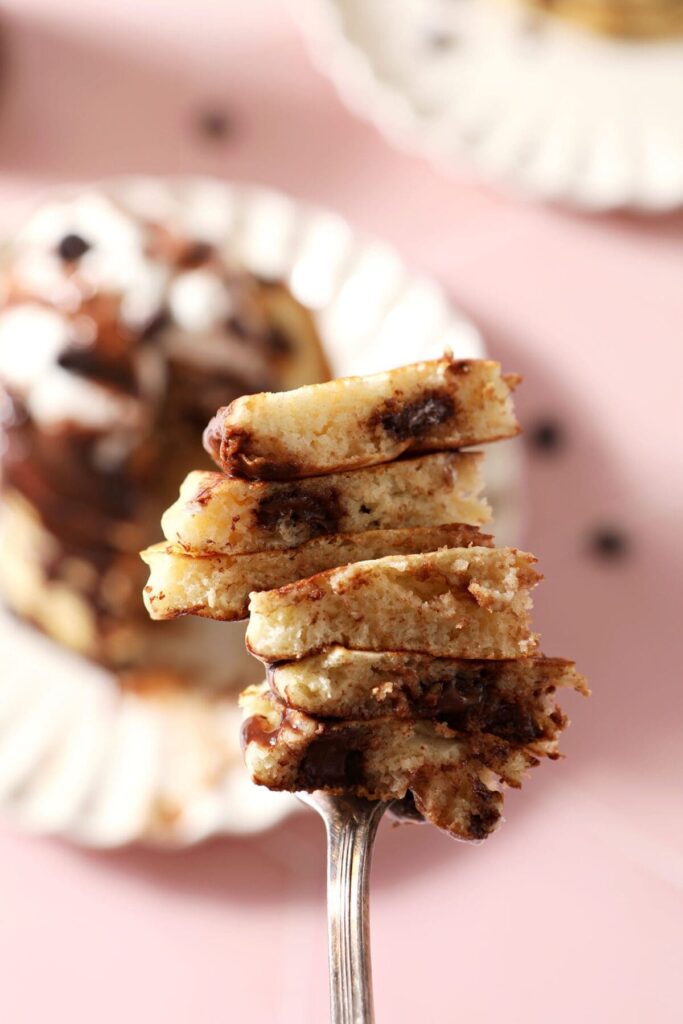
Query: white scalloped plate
81	759
548	109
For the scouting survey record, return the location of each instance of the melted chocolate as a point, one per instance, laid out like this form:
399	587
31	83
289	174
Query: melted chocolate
88	362
406	810
330	763
471	702
513	722
482	823
460	694
309	516
416	418
509	721
255	730
213	436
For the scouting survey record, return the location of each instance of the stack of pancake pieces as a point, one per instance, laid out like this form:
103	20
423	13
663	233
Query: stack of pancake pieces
345	524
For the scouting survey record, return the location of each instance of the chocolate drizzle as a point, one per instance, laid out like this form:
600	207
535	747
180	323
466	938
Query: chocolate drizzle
87	362
255	730
487	815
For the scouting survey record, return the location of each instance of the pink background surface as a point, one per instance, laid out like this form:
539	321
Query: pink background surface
573	910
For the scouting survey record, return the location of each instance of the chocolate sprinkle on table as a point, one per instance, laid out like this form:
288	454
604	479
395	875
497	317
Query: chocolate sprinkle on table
215	124
546	436
609	543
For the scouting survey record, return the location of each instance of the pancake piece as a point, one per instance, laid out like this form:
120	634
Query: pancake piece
459	603
219	513
454	778
361	421
626	19
217	586
511	698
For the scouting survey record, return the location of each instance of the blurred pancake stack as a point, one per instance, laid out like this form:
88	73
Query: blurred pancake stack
124	324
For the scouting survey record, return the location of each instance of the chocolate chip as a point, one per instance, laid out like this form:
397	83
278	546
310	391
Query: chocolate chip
72	247
546	436
215	124
88	363
482	825
461	693
478	826
608	543
330	764
299	516
256	729
414	418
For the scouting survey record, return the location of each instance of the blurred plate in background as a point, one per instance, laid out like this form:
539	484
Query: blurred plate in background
82	759
554	112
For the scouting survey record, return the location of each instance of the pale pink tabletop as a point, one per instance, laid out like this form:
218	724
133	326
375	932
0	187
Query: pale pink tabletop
572	912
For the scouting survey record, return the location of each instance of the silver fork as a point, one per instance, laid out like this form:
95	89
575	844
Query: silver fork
351	825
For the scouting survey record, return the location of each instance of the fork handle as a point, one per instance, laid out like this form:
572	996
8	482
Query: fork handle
351	827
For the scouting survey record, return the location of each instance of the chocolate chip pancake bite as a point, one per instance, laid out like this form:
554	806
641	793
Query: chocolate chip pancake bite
401	665
455	779
217	586
459	602
124	324
362	421
218	513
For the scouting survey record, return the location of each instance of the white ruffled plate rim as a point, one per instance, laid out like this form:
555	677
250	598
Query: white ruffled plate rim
580	159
